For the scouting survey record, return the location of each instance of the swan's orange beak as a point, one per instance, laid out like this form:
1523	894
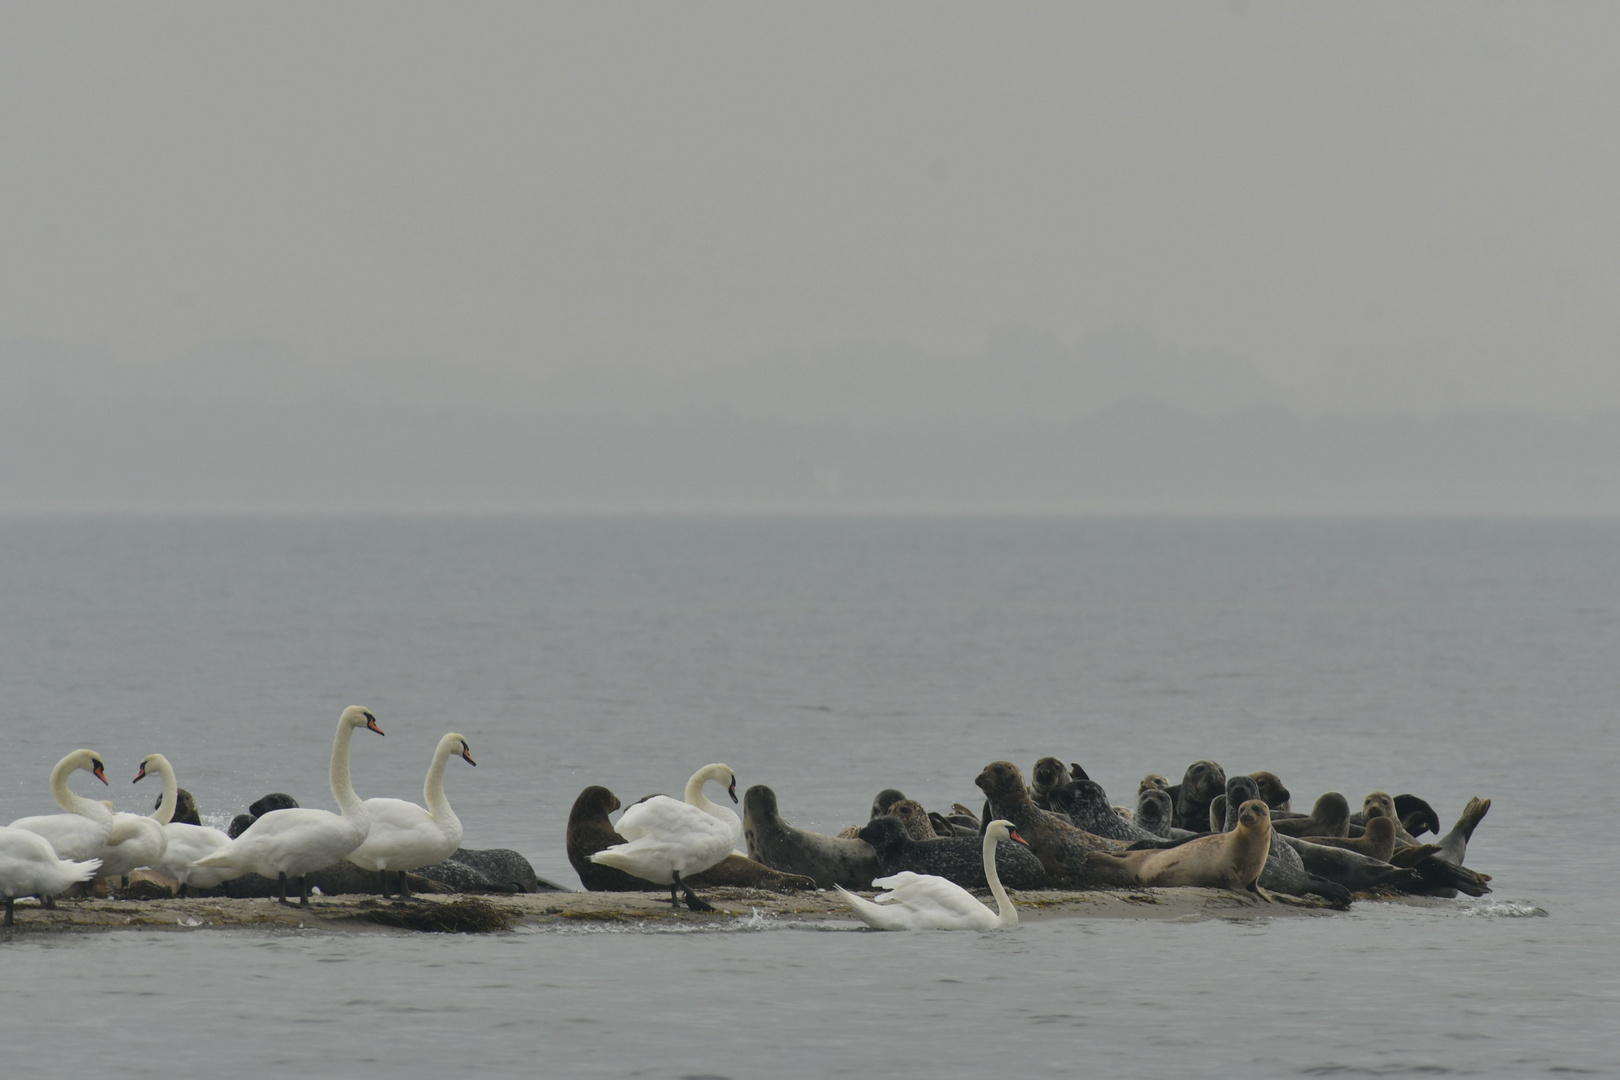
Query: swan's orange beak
97	769
466	755
371	722
140	775
1013	836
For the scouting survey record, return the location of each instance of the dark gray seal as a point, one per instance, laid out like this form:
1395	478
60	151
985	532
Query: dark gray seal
829	860
957	859
1049	773
1153	813
1086	804
1353	870
885	799
276	800
185	808
1329	816
1203	781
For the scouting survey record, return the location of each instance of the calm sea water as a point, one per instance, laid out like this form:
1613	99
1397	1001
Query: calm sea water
828	658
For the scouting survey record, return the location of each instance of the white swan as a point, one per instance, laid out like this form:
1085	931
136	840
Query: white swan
137	840
294	841
29	866
665	838
404	836
184	842
81	833
926	902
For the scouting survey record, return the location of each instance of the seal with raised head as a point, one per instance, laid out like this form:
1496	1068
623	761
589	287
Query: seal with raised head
1060	845
1382	804
590	831
1272	791
1329	816
914	818
1049	773
1153	813
1203	781
956	859
1285	870
829	860
1231	860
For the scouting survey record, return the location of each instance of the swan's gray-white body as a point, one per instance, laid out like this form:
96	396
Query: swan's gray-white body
925	902
404	836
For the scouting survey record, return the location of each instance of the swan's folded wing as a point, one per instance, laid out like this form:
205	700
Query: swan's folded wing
927	894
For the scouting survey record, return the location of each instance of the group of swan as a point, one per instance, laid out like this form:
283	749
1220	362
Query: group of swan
89	840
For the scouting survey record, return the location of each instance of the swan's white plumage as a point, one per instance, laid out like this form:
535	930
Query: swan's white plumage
81	833
184	843
927	902
665	837
29	866
405	836
299	839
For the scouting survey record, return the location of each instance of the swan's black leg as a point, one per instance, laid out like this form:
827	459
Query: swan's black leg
284	899
10	919
404	887
48	902
382	875
303	890
182	890
693	901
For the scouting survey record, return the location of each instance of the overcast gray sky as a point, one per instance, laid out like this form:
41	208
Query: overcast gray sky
1378	208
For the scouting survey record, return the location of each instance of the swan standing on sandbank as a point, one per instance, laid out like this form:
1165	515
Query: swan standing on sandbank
403	835
926	902
296	840
81	833
29	866
665	838
185	843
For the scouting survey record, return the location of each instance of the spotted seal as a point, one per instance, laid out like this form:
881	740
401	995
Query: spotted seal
957	859
1060	845
914	818
827	859
1086	804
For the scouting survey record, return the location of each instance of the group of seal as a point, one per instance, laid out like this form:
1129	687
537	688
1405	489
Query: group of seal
1210	830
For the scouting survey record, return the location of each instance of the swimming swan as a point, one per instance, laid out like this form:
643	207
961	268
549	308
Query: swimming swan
184	842
665	838
29	866
925	902
404	836
296	840
81	833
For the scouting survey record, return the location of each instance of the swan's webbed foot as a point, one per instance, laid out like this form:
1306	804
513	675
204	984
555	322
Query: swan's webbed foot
693	901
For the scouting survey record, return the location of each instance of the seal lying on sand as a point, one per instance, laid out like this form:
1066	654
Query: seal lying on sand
1232	860
590	831
1060	845
1285	870
829	860
1203	781
957	859
1330	816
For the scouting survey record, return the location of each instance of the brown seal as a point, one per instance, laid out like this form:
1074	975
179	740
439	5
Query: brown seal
590	831
914	818
1272	791
1049	773
1377	841
1330	816
1060	845
1231	860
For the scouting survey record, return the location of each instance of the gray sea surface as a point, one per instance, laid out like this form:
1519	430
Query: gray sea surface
831	657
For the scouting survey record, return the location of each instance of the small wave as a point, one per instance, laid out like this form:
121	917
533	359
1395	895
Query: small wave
1503	909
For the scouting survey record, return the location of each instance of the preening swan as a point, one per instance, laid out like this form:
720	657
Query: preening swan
29	866
665	838
404	836
184	843
925	902
292	842
81	833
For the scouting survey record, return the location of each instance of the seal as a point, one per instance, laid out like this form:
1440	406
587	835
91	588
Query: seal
914	818
828	860
1377	840
1382	804
1049	773
590	831
1329	816
1271	790
1153	812
1351	869
1060	845
1454	845
1155	780
1086	804
1285	870
885	799
1232	860
956	859
1203	781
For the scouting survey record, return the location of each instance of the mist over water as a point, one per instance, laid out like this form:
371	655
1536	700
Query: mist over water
828	658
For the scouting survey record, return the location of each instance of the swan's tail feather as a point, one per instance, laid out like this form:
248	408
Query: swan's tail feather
85	870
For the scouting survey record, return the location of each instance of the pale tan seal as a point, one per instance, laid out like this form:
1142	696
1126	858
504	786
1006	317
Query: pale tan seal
1231	860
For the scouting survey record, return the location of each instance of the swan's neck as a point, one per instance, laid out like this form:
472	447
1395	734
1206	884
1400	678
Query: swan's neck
1006	913
71	802
342	786
695	796
171	791
433	787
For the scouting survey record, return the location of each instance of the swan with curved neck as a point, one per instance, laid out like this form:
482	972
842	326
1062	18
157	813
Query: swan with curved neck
403	835
665	838
926	902
184	843
81	833
138	840
29	866
293	841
